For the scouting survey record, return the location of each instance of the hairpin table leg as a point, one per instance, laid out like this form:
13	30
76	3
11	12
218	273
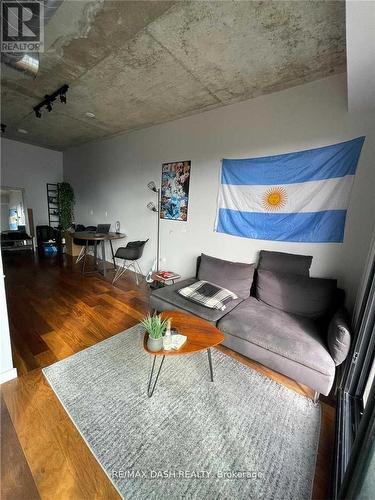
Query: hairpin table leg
95	253
150	390
113	254
85	257
103	257
210	363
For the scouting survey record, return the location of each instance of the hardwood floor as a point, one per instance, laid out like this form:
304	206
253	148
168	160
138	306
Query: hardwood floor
54	312
13	463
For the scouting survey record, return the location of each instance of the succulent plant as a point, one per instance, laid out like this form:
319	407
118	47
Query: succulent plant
154	325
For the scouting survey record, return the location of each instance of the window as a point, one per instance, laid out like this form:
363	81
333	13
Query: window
355	427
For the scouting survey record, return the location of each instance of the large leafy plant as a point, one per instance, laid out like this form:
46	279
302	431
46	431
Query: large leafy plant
66	204
154	325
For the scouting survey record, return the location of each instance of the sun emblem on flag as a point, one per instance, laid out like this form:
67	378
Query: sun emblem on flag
275	198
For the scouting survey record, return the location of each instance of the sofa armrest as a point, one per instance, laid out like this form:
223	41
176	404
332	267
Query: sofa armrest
339	336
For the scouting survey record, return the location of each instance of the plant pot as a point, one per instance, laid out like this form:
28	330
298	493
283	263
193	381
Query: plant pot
154	345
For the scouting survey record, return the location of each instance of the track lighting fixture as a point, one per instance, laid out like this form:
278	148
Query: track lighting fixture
49	99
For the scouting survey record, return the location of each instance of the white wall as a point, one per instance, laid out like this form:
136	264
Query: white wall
111	176
7	372
31	167
360	54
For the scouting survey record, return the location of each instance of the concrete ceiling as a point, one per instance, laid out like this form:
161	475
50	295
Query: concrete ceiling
138	63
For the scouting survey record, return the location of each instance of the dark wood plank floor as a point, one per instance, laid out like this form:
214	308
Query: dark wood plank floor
55	312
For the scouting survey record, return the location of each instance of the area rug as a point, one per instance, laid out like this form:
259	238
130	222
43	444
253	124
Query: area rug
242	436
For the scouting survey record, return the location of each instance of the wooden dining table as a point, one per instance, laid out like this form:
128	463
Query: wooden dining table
97	238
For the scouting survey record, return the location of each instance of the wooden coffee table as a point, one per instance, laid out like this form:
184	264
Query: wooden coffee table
201	336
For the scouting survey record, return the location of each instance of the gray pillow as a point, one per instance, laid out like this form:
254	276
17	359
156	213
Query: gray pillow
285	262
339	338
234	276
301	295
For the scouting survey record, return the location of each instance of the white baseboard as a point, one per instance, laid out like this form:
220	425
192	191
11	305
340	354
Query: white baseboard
8	375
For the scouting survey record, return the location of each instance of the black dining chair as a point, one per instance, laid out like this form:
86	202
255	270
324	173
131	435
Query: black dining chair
82	243
130	255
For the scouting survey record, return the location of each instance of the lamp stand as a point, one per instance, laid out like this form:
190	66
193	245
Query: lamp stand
151	206
158	232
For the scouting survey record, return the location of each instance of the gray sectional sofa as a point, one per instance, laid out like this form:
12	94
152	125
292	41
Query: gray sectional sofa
285	320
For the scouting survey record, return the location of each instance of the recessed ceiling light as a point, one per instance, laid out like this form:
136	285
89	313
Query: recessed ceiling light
90	115
22	131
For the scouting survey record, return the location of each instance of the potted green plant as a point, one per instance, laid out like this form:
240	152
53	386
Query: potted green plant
65	195
155	326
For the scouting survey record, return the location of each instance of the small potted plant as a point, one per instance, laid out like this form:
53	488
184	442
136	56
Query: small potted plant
155	326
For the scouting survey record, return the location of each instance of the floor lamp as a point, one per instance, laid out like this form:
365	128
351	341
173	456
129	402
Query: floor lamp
151	206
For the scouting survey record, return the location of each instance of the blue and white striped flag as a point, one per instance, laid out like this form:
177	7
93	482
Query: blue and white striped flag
300	196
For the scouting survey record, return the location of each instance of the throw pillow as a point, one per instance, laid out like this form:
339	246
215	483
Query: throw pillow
301	295
285	262
235	276
207	294
339	337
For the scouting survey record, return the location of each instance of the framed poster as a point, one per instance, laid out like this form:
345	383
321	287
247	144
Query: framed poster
175	179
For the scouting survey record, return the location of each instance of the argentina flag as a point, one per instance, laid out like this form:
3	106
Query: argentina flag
301	196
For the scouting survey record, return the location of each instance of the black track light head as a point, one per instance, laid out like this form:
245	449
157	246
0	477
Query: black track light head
49	99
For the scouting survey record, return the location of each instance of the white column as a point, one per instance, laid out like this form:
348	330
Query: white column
7	371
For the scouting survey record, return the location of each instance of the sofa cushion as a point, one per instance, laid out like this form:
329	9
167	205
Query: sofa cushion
167	297
285	262
292	337
339	337
207	294
309	297
320	382
234	276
